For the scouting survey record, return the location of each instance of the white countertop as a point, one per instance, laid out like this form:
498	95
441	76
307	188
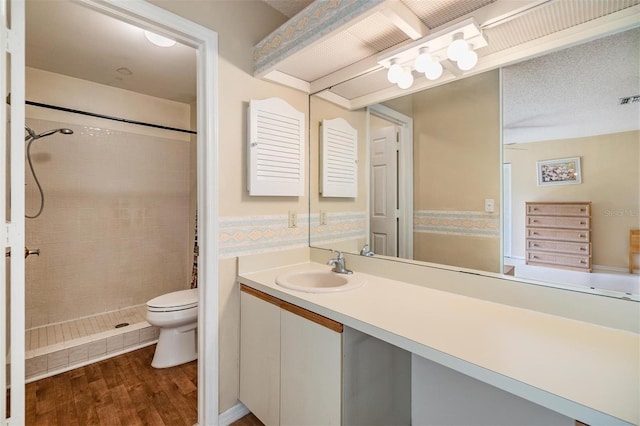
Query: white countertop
585	371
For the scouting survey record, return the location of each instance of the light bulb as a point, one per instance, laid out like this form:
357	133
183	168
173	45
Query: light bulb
159	40
406	80
433	71
468	61
395	73
458	47
423	59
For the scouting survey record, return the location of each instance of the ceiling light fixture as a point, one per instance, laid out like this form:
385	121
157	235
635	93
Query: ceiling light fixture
159	40
456	44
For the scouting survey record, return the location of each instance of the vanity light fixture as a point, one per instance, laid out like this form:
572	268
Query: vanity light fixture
159	40
458	47
456	44
395	72
406	80
468	60
427	64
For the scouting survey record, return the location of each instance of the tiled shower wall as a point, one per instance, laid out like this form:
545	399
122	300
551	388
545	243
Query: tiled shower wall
115	227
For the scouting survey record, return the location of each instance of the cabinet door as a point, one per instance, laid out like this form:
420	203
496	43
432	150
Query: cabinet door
311	374
260	358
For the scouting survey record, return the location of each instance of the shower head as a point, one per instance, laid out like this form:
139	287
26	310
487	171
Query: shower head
51	132
32	134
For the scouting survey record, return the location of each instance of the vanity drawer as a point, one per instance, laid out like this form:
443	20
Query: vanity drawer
559	222
561	260
559	246
577	209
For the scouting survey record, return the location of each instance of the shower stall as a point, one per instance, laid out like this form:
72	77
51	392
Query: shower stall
110	212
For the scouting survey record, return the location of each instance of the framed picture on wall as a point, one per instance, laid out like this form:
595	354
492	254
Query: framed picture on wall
564	171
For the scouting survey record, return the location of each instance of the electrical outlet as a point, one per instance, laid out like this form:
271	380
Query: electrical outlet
323	217
293	219
489	205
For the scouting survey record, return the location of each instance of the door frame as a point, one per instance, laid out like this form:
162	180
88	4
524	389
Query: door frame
12	234
205	41
405	174
506	211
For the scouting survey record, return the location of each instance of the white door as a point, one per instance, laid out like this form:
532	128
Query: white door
12	209
506	208
384	191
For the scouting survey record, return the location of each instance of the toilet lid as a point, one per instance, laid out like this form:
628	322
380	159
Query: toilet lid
182	299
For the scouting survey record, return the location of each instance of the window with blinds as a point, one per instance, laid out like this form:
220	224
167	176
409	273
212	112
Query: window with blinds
339	159
275	160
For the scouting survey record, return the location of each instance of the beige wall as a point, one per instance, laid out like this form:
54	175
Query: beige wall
240	25
114	231
457	165
610	180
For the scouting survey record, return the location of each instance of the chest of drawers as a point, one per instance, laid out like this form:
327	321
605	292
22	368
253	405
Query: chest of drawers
559	234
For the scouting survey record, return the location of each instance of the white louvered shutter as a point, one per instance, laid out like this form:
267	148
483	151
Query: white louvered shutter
339	159
275	149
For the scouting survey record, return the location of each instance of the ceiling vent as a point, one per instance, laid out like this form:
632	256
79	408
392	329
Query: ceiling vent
629	100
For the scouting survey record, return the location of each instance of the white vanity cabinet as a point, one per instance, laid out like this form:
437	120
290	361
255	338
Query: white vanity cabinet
290	362
311	372
260	358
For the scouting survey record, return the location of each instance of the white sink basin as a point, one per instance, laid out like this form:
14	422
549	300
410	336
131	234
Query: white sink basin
317	281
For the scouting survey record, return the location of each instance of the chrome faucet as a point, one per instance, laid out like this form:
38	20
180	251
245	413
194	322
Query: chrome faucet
365	251
338	264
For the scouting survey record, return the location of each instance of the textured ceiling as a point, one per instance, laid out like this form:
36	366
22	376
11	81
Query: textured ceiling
574	92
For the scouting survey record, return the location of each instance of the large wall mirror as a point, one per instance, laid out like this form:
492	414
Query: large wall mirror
444	174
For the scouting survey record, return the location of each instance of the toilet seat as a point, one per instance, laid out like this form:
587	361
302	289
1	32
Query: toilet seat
176	301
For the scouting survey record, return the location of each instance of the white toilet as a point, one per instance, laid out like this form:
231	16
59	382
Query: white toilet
176	314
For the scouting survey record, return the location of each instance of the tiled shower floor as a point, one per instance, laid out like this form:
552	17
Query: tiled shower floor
59	347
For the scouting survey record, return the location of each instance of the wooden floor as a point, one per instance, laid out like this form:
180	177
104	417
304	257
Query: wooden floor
248	420
124	390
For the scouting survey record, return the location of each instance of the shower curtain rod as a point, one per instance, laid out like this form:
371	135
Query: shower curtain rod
108	117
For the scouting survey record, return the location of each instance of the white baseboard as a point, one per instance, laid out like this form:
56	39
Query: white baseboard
232	414
610	269
595	268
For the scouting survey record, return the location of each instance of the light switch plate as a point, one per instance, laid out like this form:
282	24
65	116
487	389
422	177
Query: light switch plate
489	205
293	219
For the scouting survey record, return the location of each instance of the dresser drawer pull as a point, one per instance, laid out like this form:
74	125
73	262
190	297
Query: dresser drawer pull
534	221
582	236
583	222
583	262
534	233
534	257
583	209
583	248
534	245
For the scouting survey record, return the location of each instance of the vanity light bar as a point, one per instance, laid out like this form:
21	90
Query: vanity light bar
437	44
